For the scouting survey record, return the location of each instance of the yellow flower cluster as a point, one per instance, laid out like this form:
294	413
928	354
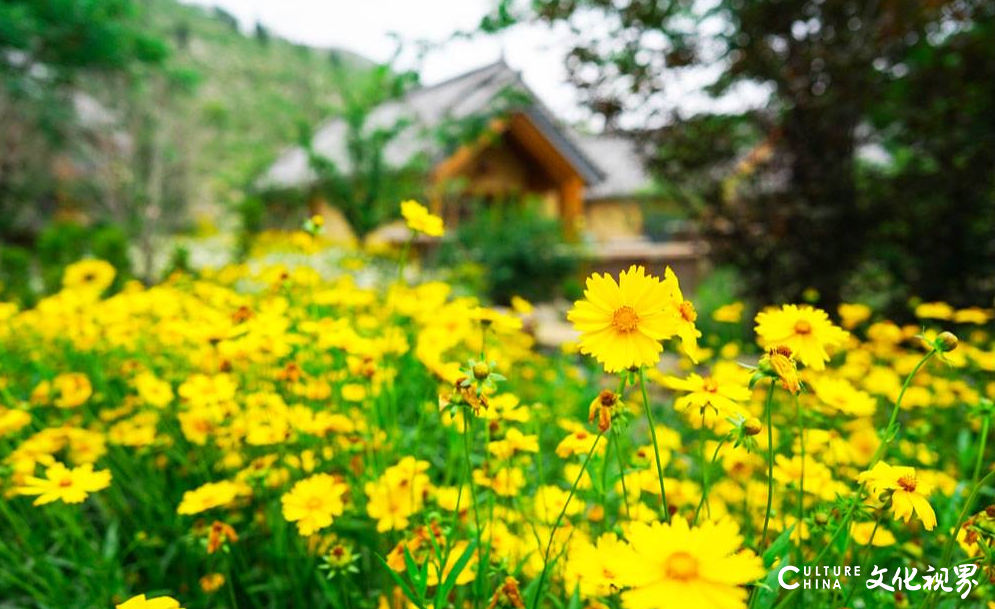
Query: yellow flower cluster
270	435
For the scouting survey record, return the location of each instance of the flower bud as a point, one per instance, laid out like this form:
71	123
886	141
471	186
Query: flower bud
752	426
481	371
945	342
821	518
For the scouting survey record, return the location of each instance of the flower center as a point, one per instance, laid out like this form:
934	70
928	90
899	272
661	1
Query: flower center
314	503
682	566
709	385
67	481
625	319
803	327
907	483
607	398
688	312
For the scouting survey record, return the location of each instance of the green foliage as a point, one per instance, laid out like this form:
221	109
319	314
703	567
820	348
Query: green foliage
15	273
69	35
522	251
58	245
49	52
257	90
62	243
251	213
363	185
110	243
783	193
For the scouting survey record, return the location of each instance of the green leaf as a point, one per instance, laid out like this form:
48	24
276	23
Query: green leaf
405	588
773	557
779	548
461	563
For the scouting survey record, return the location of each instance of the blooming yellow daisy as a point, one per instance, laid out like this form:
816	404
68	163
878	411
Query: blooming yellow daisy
63	484
313	502
140	602
209	496
806	330
92	276
621	324
420	220
909	493
700	567
707	392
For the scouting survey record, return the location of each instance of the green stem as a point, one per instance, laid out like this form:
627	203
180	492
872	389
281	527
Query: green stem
656	447
948	549
403	260
704	469
863	567
467	431
890	434
621	472
559	519
701	502
801	482
985	423
891	431
769	407
618	448
230	584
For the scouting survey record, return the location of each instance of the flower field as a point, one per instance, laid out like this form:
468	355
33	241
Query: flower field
266	436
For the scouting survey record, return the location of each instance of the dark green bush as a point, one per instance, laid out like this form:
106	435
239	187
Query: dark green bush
110	243
58	245
522	251
15	275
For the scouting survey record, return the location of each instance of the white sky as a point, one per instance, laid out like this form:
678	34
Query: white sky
366	27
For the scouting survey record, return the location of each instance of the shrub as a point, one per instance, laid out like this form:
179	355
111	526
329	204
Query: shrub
522	251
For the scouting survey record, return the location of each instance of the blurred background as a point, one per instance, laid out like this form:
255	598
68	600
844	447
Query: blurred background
768	150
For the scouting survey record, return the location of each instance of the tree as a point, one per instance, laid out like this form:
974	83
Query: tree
366	189
803	216
46	47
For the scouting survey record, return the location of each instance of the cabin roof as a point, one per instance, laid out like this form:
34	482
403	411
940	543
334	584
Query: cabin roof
467	95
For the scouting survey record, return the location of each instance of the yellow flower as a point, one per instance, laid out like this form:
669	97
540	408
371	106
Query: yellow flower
972	315
211	582
12	420
731	313
578	443
682	316
703	566
853	314
63	484
805	330
595	567
780	362
140	602
621	324
420	220
90	276
313	502
861	533
153	391
209	496
520	305
840	396
514	441
603	408
72	388
398	494
909	493
934	310
703	392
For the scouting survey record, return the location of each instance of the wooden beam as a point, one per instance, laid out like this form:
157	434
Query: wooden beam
572	205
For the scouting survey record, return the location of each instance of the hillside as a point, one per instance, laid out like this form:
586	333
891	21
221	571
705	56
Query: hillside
253	94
